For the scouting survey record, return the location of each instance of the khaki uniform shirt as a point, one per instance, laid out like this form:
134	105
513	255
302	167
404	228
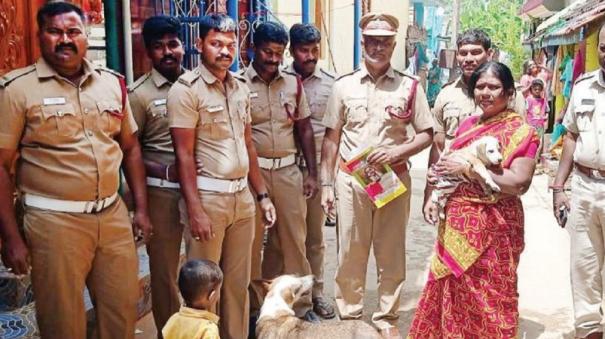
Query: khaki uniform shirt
585	117
453	105
273	108
318	87
361	106
219	113
65	133
148	101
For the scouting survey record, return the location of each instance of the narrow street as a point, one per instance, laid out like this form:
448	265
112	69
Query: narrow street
545	296
545	300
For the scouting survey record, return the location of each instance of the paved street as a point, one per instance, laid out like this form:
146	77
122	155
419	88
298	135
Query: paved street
545	298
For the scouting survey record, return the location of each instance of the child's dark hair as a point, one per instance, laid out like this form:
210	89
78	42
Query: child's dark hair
500	70
537	83
197	278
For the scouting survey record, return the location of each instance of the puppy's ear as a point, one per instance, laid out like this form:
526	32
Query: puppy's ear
266	284
288	296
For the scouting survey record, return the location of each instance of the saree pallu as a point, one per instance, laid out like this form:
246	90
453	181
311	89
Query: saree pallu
472	287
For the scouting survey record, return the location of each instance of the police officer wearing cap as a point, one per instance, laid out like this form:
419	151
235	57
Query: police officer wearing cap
71	123
372	107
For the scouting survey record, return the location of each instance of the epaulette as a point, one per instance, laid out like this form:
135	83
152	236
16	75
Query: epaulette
239	77
290	73
414	77
328	74
585	76
189	77
13	75
139	82
448	83
348	74
109	70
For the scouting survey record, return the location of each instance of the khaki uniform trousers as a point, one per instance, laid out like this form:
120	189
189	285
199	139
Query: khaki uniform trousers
586	228
314	243
232	218
361	226
164	253
72	250
285	252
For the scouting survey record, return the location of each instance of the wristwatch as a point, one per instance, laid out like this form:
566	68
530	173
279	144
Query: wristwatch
261	196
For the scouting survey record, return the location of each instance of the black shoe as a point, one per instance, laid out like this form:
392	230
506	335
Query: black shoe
323	308
312	317
252	327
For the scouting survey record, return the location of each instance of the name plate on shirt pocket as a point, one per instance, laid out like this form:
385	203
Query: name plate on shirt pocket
54	101
217	108
253	95
159	102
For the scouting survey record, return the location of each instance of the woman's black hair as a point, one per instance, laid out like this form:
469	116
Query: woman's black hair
500	70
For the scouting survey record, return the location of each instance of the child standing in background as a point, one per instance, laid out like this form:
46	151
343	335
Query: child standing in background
199	282
536	111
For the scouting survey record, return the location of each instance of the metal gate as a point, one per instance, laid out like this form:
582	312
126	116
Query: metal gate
249	14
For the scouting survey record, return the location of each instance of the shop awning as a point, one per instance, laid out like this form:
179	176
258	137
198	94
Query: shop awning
565	27
540	8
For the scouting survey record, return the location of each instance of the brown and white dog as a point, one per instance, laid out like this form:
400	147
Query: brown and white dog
278	321
483	152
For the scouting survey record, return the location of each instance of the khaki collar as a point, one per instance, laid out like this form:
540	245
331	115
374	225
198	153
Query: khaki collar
201	314
158	79
252	74
209	78
316	73
390	73
601	78
44	70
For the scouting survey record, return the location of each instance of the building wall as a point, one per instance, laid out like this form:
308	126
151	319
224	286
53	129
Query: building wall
338	18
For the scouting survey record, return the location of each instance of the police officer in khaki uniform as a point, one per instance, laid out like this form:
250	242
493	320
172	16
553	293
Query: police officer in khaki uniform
208	110
279	110
71	123
317	82
148	101
372	107
585	124
453	104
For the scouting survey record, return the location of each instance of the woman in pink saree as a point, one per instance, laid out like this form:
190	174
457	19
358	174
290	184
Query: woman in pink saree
472	286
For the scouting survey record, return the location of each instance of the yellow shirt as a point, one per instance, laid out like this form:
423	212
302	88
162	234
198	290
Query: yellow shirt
190	323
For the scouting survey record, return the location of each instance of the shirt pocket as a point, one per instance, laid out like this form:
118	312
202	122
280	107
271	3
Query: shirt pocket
60	119
157	110
215	122
395	110
110	117
259	110
451	120
584	114
356	110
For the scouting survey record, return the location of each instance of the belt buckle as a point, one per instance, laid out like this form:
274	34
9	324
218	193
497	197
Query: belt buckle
597	174
276	163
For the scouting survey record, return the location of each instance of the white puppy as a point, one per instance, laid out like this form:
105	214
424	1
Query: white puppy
483	152
278	321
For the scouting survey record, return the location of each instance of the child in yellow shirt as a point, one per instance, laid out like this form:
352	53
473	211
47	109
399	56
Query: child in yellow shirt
199	282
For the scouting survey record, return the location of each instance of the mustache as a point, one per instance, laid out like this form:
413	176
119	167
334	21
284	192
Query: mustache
66	46
269	63
312	61
224	57
168	57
